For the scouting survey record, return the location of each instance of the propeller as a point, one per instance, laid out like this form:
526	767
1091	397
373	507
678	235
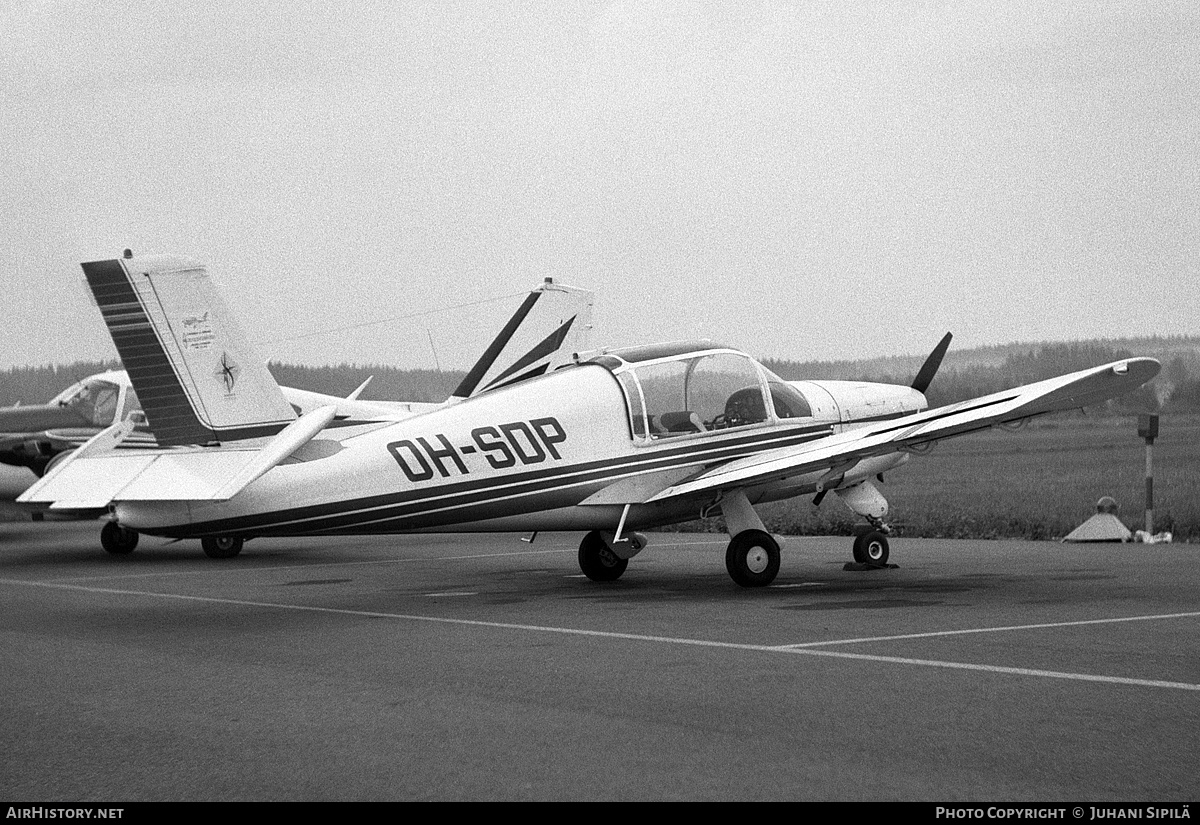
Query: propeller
930	367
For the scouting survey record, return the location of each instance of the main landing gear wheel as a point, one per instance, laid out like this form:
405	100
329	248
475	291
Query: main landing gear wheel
871	548
118	540
222	547
752	558
597	560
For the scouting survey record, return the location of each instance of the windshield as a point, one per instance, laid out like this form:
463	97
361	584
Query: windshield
705	393
95	400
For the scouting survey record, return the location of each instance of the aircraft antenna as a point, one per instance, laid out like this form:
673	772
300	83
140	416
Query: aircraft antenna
389	320
436	362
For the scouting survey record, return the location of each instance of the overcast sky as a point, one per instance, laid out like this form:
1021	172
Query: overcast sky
808	180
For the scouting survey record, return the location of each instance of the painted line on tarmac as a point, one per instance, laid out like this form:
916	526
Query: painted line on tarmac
1002	629
1014	671
604	634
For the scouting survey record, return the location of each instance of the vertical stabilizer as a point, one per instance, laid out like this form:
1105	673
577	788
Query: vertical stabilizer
549	327
197	378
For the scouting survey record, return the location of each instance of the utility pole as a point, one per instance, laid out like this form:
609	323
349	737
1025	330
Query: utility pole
1148	429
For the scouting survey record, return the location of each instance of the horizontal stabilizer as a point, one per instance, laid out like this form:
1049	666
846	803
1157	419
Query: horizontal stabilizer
196	474
293	437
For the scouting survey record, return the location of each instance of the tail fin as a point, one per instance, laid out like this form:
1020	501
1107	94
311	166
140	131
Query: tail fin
549	327
196	377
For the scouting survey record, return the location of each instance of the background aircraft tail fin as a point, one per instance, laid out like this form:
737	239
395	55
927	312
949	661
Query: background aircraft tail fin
196	377
549	327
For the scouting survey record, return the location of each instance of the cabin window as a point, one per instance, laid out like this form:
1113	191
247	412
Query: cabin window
788	401
104	397
635	405
95	401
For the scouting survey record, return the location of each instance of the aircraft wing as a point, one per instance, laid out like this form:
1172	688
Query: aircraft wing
838	453
37	418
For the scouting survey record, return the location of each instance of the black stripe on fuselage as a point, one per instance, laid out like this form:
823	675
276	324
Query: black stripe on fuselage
344	515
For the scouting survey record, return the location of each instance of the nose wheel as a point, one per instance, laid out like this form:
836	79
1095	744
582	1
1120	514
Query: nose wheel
871	548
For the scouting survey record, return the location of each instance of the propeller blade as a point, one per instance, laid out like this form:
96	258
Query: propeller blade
930	367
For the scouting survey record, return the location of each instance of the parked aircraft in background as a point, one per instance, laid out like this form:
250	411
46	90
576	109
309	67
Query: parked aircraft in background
615	441
551	324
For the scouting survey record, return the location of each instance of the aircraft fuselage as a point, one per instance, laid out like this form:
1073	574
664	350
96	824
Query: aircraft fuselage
552	453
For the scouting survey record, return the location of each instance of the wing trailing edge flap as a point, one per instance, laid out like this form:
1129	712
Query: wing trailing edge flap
1067	392
95	478
637	489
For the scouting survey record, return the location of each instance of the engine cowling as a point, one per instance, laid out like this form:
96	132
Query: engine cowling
861	402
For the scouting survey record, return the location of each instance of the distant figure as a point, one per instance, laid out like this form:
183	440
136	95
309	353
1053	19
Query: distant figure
1104	526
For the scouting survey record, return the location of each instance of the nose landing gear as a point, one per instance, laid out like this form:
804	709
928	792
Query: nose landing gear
871	547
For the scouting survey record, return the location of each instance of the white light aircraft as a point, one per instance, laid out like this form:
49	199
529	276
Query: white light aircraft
610	443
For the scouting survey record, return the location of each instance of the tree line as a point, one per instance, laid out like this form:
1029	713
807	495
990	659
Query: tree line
37	385
1176	390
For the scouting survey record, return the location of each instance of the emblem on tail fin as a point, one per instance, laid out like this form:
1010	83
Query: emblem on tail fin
198	332
228	373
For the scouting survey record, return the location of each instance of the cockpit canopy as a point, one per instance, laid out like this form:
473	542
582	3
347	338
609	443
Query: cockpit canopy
681	388
98	398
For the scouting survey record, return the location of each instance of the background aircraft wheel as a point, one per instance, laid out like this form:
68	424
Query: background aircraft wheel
222	547
752	558
871	548
597	560
117	540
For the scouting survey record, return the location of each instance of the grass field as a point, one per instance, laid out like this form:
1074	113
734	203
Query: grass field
1037	483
